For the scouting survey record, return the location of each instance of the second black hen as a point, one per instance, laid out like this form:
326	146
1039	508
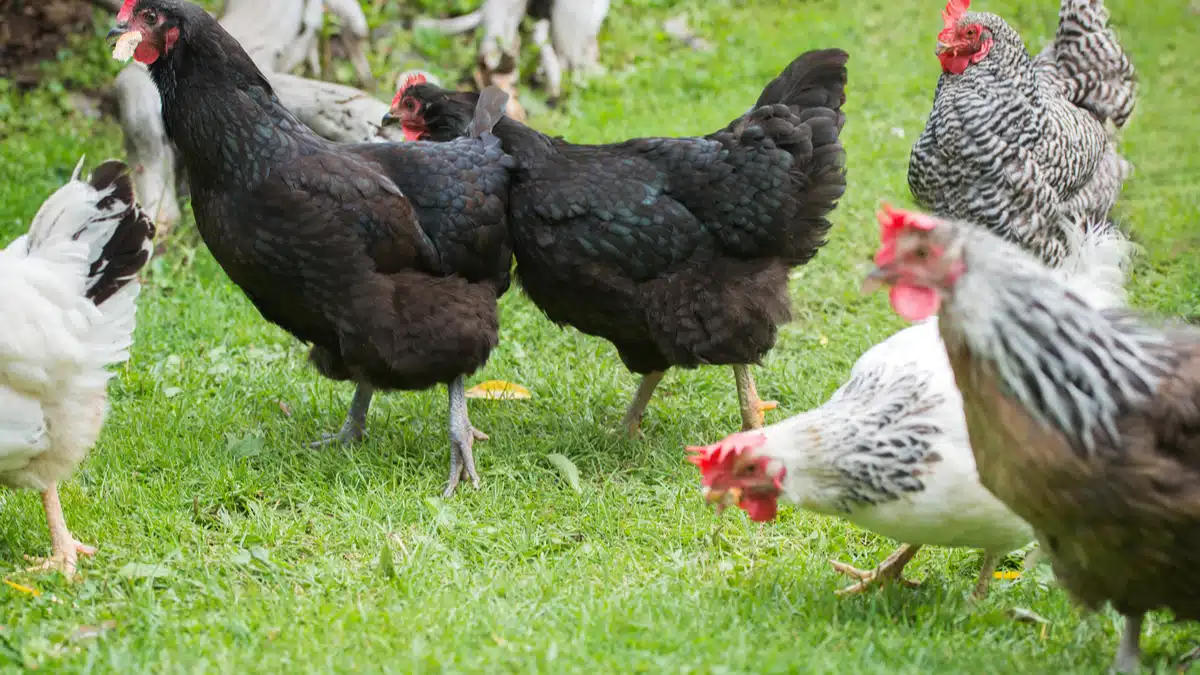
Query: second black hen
677	250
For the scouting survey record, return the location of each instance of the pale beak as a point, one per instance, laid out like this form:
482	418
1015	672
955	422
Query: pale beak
877	279
941	47
722	498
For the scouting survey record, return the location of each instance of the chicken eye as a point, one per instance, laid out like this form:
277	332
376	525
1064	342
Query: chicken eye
410	105
150	17
921	253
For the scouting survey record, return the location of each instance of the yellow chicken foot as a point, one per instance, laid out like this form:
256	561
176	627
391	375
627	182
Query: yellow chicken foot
64	550
751	405
632	421
887	571
462	438
354	428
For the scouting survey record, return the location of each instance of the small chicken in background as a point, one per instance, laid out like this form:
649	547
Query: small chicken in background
1084	421
565	31
1019	145
69	303
676	250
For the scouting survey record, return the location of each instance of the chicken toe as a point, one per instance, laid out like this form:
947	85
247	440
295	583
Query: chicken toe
64	549
886	572
354	428
462	438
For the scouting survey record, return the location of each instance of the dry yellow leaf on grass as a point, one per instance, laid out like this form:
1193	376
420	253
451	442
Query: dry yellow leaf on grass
23	589
499	390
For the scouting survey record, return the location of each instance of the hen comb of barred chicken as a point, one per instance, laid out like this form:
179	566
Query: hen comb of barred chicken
894	221
720	455
952	14
126	12
414	78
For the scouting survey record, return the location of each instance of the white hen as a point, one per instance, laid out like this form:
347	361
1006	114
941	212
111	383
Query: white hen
889	451
70	286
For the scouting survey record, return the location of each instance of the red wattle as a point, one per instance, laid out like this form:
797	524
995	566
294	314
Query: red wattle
760	509
914	303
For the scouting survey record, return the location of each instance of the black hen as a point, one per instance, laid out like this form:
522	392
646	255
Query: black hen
676	250
388	258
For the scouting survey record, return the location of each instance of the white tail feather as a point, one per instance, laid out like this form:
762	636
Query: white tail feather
1097	268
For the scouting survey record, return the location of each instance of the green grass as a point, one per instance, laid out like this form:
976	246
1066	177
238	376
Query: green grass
228	546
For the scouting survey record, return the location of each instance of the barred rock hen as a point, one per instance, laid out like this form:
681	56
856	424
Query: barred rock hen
676	250
1019	145
1085	422
69	300
889	450
387	258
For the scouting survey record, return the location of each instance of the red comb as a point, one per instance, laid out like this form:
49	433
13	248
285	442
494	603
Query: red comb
709	457
126	12
954	11
891	222
415	78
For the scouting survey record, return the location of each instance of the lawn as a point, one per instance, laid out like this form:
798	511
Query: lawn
227	545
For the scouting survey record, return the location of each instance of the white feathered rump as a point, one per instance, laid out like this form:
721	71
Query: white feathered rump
69	307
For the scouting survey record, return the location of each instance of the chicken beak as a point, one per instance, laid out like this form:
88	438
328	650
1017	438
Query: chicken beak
722	498
116	32
388	119
877	279
941	47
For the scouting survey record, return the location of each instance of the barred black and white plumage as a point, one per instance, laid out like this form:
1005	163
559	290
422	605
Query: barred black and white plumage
1019	145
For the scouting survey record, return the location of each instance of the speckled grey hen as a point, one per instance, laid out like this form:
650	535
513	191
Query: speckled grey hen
676	250
388	258
1084	421
1019	145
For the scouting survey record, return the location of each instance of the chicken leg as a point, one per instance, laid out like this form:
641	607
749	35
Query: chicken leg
990	560
355	426
632	422
752	406
462	438
64	550
1129	654
886	571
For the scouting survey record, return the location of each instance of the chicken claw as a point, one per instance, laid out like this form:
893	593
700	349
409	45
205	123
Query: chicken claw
354	428
64	549
462	437
887	571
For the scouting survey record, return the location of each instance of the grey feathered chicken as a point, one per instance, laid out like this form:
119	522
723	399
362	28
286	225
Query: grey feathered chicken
1019	145
1084	421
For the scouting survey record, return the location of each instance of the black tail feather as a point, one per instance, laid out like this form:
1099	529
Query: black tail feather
129	247
815	79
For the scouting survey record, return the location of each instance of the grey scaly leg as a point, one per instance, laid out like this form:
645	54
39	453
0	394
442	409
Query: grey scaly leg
462	437
633	417
356	420
1129	654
